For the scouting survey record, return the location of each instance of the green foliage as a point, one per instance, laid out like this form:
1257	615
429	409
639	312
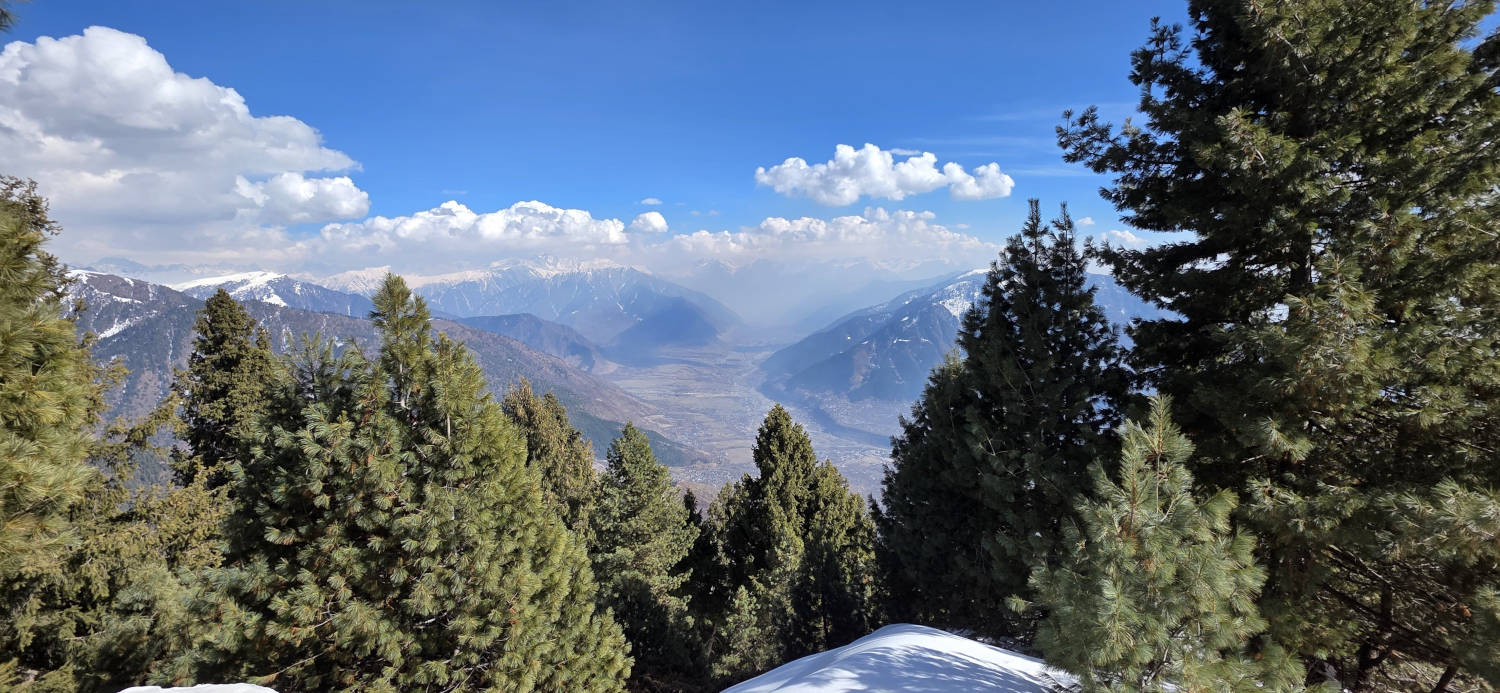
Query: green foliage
558	452
91	598
1333	166
641	534
791	558
999	445
1157	593
223	390
388	535
47	392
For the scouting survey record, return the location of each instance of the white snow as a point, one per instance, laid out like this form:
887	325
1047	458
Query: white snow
204	688
245	279
910	658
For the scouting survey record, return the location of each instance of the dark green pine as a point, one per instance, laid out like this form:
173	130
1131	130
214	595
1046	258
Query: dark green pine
998	449
1329	171
641	534
389	536
557	451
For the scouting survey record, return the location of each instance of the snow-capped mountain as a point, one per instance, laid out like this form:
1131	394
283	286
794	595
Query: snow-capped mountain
886	352
598	299
279	290
149	329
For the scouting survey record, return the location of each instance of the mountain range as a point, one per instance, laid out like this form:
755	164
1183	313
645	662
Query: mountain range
886	351
149	329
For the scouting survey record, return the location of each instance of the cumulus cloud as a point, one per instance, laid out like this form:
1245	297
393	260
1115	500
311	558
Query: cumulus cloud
1086	221
135	154
1123	238
873	172
649	222
899	237
651	201
452	233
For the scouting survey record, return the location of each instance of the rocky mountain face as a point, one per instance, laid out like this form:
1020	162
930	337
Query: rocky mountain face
886	352
149	329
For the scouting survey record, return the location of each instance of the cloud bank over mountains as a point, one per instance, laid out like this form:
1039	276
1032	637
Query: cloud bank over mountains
146	162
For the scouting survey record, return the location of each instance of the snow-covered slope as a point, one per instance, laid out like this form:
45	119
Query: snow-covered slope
279	290
910	658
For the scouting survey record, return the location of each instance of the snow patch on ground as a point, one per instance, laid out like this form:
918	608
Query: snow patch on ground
911	658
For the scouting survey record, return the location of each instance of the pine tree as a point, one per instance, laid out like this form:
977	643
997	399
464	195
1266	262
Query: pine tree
558	451
1157	593
998	448
389	536
799	544
641	535
833	597
223	391
47	392
91	600
1332	166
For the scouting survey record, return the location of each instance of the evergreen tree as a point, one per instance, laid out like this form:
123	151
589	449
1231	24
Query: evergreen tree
641	535
558	451
1157	593
388	536
1332	165
799	544
998	448
47	392
833	597
91	572
223	391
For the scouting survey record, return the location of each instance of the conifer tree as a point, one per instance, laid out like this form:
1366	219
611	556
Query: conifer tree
999	447
1157	593
833	597
801	546
641	535
97	611
558	451
47	393
389	536
1331	166
223	391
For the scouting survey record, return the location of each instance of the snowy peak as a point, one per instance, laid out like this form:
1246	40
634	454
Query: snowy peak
279	290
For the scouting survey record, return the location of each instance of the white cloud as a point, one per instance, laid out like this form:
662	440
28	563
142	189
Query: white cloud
134	154
1123	238
291	198
649	222
902	151
1086	221
452	233
873	172
899	237
651	201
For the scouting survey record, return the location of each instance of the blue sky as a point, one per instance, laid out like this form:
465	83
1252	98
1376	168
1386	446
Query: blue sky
597	106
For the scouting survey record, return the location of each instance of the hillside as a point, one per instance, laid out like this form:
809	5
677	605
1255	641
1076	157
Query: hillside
600	301
547	337
149	328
